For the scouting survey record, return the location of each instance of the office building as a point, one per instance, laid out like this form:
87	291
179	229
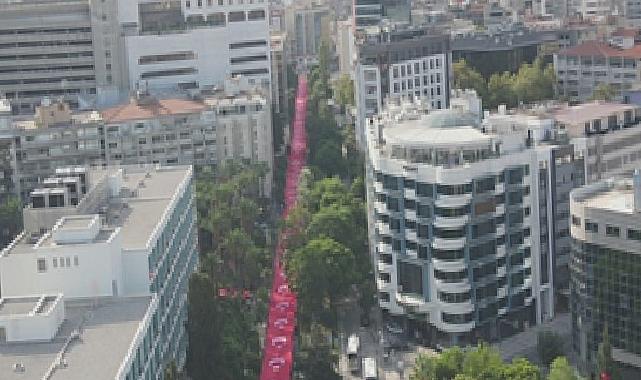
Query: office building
96	285
400	62
580	69
186	44
280	86
60	49
366	13
454	218
606	257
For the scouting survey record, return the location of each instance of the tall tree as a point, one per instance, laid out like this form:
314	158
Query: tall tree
344	91
560	369
604	91
466	77
549	347
605	362
10	220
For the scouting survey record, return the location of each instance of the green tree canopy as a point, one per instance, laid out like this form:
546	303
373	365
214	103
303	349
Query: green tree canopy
549	347
604	91
560	369
466	77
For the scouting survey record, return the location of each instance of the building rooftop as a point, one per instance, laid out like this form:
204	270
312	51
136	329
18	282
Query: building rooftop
601	49
107	329
580	114
137	110
145	194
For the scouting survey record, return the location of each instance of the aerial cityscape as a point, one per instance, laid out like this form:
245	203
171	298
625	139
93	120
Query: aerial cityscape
320	189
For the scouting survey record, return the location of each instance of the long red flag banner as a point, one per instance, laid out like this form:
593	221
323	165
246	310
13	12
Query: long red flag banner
281	321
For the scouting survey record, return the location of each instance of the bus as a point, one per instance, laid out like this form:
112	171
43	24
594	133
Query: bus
353	344
370	372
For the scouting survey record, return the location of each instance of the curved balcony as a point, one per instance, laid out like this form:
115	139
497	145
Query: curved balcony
384	248
383	228
384	267
449	265
410	194
411	300
457	308
457	327
440	243
384	286
457	221
453	200
453	287
410	214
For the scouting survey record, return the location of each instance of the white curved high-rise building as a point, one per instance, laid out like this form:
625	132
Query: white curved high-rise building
453	215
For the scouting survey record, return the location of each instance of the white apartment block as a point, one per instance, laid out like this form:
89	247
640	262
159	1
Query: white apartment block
606	138
580	69
97	287
453	215
189	44
230	124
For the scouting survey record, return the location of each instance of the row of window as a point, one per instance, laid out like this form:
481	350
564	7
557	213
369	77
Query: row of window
610	230
57	262
209	3
403	70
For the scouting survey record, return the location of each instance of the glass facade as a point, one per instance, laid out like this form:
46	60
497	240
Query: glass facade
173	257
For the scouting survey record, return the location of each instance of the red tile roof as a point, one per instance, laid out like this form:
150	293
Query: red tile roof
602	49
163	107
622	32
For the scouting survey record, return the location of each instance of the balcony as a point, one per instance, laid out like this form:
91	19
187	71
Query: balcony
378	187
449	266
457	308
440	243
457	221
499	188
410	214
384	267
410	194
500	209
384	248
500	251
501	272
453	200
383	228
458	328
501	292
384	286
410	300
411	235
453	287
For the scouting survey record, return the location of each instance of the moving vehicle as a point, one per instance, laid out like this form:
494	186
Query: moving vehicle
353	344
370	372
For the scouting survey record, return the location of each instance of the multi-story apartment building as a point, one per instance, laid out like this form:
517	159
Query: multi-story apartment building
631	10
454	223
366	13
605	138
230	124
195	43
399	62
97	287
560	170
279	60
606	257
65	48
580	69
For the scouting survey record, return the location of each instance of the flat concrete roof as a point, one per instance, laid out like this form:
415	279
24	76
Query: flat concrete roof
415	133
15	306
80	221
109	329
616	199
581	114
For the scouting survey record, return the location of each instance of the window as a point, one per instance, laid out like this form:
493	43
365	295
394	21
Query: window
42	265
68	261
75	260
591	226
634	234
612	231
55	262
236	16
256	15
576	220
